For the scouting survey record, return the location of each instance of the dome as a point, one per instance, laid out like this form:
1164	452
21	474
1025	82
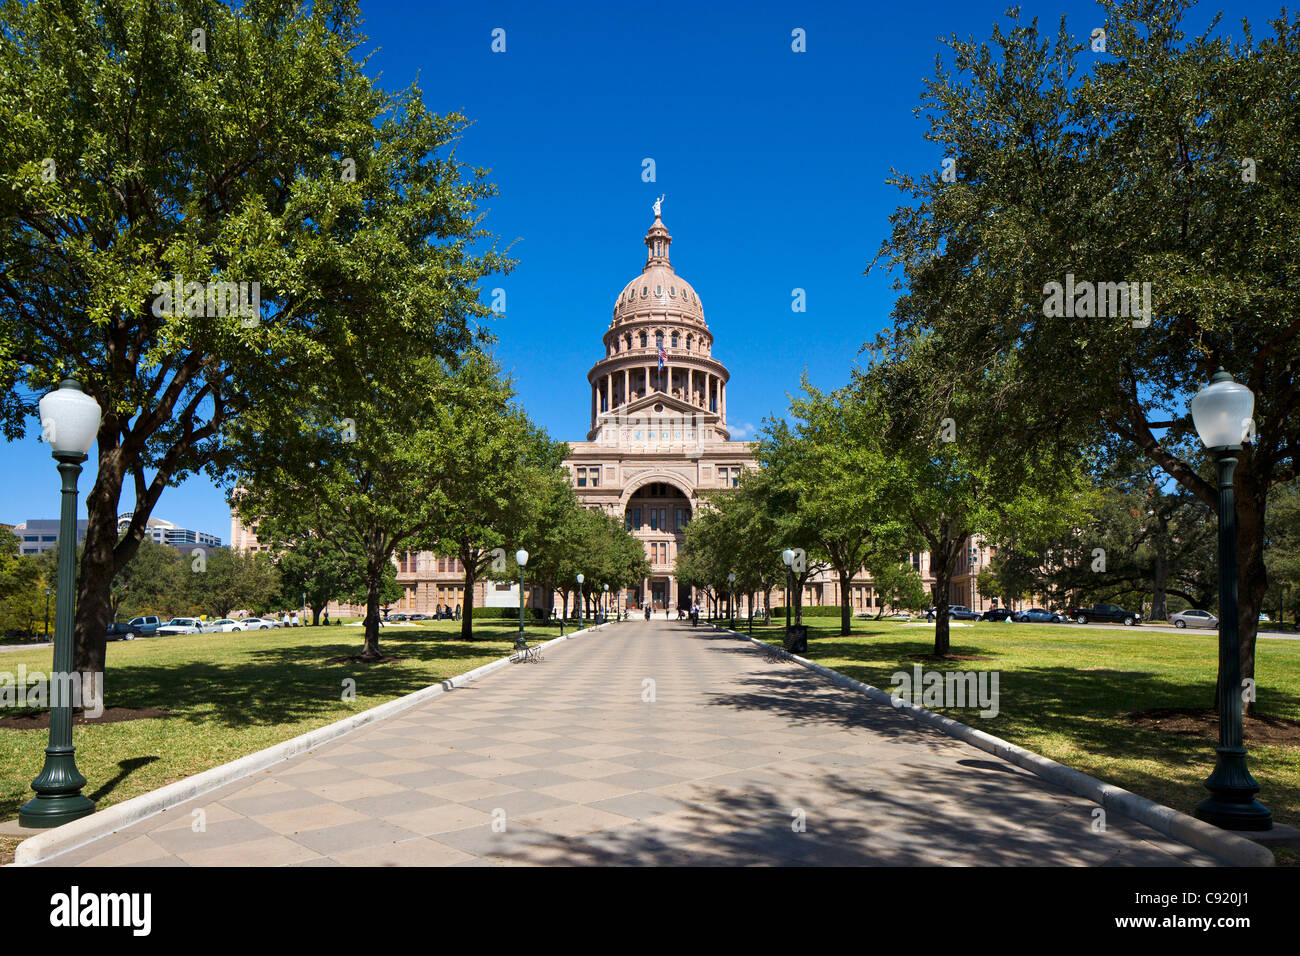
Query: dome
658	289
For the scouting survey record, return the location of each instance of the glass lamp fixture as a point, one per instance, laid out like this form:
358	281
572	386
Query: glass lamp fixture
1222	412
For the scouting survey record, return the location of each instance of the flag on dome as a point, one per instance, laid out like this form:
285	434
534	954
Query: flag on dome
663	356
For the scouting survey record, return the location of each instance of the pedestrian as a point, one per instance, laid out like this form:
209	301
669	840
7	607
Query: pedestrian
647	612
294	622
458	612
284	618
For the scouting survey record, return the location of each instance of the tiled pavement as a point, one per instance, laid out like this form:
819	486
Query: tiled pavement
580	760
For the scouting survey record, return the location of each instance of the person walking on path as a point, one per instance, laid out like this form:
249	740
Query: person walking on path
647	612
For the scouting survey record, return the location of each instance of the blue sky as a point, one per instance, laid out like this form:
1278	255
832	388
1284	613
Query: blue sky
773	162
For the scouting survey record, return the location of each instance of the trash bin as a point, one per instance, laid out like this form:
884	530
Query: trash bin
796	639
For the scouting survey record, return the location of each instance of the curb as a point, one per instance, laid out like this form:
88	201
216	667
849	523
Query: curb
78	833
1221	844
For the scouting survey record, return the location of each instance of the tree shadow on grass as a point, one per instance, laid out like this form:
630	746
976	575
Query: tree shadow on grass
285	685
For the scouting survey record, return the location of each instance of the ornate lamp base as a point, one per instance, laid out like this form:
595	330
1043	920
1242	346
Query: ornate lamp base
58	799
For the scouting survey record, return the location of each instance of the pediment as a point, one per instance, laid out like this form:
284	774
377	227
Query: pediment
646	407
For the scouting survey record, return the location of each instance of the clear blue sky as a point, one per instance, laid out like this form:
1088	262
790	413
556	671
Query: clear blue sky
773	163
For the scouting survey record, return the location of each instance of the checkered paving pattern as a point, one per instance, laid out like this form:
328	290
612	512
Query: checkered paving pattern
646	743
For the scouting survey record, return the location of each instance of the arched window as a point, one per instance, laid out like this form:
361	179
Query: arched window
688	343
674	340
642	340
659	340
629	340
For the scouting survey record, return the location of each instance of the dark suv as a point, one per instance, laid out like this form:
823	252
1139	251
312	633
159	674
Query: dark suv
1103	612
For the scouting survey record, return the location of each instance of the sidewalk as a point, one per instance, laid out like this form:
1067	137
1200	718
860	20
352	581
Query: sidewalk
650	743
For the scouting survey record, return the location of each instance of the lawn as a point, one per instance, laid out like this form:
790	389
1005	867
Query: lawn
1063	693
229	695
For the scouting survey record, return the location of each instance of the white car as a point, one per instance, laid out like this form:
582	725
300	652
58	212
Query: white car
182	625
224	626
257	623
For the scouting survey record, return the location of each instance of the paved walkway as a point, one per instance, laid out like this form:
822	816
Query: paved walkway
575	761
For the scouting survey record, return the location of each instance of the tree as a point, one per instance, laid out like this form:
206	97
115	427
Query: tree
296	206
499	466
963	464
1162	165
1282	554
369	478
834	471
226	580
311	567
150	583
898	586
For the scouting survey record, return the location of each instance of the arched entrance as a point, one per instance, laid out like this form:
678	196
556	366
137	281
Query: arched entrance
657	514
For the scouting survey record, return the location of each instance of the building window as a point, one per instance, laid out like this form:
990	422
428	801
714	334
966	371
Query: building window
582	477
680	523
594	475
642	340
674	340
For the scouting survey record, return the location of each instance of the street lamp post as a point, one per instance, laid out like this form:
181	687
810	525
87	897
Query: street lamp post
731	598
787	556
1222	413
521	556
70	419
582	611
604	605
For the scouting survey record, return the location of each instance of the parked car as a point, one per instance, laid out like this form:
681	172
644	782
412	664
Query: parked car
397	617
419	617
257	623
956	612
1193	618
1038	615
182	625
224	626
997	614
146	626
1103	612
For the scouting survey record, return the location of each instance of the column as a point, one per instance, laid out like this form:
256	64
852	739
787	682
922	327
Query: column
690	385
609	393
670	596
722	402
627	386
593	405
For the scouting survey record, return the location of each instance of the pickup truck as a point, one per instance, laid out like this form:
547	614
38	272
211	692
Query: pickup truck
1103	612
136	627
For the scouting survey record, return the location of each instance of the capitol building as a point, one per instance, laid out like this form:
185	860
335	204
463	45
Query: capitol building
657	441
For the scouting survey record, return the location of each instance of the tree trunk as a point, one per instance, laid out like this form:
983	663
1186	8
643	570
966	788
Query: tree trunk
846	608
1159	597
942	579
374	579
94	611
467	619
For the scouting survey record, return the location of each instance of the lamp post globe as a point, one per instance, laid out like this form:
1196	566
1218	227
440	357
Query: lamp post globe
604	608
69	422
582	611
1221	413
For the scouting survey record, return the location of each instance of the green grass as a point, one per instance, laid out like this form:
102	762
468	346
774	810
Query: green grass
231	695
1063	693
